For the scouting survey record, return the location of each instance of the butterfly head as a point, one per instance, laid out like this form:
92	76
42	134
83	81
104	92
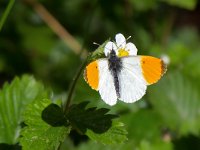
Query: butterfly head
112	53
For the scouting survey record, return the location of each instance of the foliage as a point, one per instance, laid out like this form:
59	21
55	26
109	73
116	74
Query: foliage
53	115
115	135
141	131
46	125
180	98
13	100
166	118
37	133
92	118
145	145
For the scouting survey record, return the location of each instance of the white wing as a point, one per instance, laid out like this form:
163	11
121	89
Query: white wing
106	83
131	81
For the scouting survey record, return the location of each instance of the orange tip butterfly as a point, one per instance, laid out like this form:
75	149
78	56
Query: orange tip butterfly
123	75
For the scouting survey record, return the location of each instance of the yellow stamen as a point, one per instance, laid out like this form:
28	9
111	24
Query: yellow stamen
122	52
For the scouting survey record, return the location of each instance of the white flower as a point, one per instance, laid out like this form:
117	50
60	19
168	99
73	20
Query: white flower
121	48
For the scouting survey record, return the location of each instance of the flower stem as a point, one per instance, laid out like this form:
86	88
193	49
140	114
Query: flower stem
73	85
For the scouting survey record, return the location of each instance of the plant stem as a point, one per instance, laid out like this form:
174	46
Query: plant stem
73	85
6	12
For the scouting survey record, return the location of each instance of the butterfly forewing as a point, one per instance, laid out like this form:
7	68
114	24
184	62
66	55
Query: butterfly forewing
153	68
99	78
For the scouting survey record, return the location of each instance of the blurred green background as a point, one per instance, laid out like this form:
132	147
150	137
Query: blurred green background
50	39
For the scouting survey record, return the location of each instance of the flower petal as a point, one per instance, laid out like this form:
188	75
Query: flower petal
131	48
120	40
109	46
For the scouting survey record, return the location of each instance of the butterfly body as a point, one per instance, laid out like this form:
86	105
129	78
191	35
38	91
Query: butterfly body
115	66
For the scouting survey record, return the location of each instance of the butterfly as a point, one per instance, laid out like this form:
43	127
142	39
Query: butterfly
123	75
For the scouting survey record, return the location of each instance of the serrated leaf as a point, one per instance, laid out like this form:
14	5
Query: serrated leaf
14	97
37	133
54	115
115	135
95	119
177	100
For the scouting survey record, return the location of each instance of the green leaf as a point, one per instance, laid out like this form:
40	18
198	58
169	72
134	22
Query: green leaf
187	4
53	115
144	124
158	145
177	101
14	98
129	145
92	118
37	133
115	135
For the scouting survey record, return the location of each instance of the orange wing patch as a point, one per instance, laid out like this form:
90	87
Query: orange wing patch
152	68
92	75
